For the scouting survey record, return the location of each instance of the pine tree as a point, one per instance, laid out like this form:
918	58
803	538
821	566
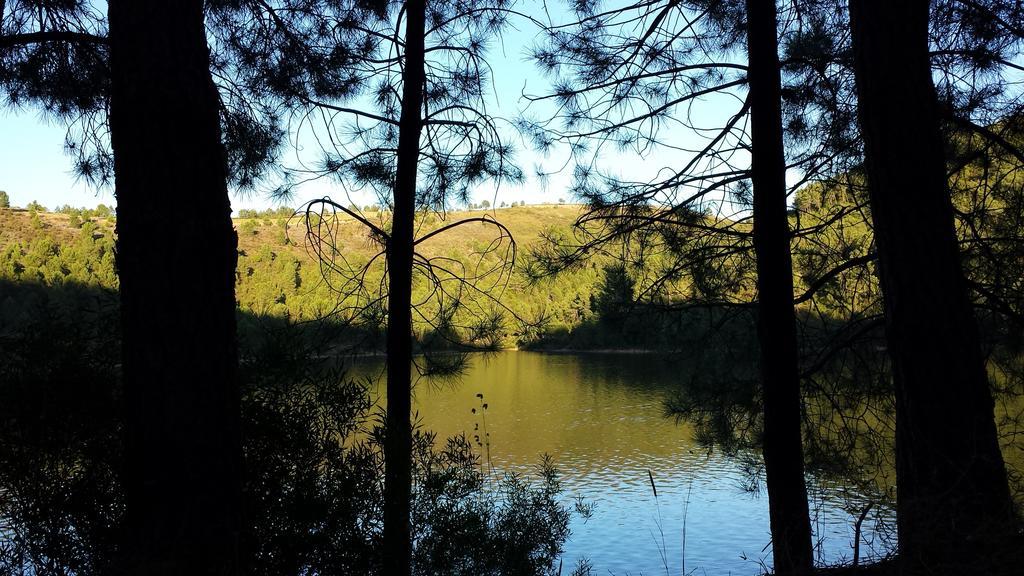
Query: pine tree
182	477
953	500
401	85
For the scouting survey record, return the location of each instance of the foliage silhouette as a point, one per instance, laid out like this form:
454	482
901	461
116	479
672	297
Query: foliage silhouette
313	459
954	504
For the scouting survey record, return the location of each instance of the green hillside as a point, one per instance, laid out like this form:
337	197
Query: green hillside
280	274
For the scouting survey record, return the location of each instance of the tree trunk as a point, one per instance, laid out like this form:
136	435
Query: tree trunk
780	377
951	480
176	255
398	434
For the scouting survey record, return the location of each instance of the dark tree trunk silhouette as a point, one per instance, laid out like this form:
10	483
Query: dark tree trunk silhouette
176	261
780	377
398	434
951	480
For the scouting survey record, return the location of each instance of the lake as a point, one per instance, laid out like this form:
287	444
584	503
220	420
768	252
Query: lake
601	417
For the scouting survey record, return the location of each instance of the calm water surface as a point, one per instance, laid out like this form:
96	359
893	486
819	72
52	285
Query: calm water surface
602	419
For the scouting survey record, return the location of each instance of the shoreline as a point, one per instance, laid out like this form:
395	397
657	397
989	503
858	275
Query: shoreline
553	351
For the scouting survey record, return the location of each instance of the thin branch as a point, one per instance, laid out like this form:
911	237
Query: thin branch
484	219
15	40
826	277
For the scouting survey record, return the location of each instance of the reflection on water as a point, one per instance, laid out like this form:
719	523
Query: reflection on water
601	417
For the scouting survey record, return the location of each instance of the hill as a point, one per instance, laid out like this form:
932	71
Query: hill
281	273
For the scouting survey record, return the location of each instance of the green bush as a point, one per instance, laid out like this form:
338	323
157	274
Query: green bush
250	227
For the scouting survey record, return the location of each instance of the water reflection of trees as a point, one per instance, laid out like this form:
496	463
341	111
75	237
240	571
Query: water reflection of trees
847	416
313	493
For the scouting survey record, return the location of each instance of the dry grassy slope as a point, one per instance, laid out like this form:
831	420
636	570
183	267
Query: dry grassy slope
16	225
525	222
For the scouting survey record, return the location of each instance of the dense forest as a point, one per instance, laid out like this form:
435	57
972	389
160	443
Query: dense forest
827	245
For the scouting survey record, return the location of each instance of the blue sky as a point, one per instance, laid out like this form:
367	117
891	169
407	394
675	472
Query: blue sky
33	165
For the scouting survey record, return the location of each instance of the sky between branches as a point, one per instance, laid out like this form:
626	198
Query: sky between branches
33	165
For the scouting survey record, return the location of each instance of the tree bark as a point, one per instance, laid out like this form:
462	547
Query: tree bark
176	256
398	433
780	376
951	480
